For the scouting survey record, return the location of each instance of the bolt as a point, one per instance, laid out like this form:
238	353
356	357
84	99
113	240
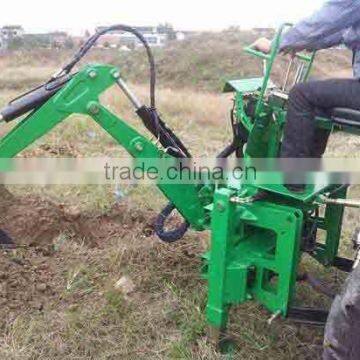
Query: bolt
273	317
92	74
116	74
93	108
139	146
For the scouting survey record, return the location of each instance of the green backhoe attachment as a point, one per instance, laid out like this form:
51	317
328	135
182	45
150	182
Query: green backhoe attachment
259	232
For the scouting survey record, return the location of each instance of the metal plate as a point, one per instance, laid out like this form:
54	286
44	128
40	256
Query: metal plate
246	85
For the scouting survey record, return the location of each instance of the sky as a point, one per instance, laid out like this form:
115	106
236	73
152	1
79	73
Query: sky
76	16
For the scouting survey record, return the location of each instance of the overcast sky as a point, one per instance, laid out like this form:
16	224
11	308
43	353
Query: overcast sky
78	15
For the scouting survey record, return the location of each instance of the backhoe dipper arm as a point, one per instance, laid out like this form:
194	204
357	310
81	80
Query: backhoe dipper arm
80	95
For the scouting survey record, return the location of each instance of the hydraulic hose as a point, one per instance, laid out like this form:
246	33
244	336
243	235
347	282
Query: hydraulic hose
151	120
93	39
171	235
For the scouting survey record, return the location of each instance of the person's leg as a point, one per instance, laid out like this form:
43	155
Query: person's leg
321	138
301	138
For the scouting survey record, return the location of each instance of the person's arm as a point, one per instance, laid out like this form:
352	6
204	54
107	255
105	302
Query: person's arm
295	42
264	45
324	28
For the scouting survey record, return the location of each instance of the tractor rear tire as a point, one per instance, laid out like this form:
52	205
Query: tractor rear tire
342	331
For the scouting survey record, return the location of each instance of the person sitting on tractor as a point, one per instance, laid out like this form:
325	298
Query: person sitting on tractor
337	22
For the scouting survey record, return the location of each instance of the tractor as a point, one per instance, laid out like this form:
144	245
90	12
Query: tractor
259	231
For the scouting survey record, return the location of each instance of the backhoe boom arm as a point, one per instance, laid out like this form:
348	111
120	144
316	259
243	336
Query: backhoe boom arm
81	96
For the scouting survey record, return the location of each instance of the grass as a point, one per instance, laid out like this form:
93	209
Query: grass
83	315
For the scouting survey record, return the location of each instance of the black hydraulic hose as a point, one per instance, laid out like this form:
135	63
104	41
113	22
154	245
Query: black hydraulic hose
153	123
120	27
171	235
229	150
176	148
178	233
239	137
33	99
158	128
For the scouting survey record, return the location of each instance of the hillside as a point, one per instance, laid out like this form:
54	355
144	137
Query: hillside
201	62
207	60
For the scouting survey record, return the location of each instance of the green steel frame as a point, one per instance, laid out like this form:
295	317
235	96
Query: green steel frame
255	246
81	96
257	242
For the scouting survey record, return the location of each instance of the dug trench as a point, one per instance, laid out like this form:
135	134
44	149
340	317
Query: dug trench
32	268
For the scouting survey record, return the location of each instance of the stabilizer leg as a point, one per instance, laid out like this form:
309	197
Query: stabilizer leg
221	243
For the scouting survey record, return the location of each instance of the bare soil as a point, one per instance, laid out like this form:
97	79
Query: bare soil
29	272
34	221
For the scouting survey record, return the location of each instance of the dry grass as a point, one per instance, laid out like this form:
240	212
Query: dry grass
84	315
207	61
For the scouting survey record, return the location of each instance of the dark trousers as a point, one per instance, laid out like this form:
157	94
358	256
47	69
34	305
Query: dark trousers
306	100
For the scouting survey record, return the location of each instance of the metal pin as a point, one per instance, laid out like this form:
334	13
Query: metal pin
133	99
354	203
264	67
273	317
299	73
287	74
302	73
296	77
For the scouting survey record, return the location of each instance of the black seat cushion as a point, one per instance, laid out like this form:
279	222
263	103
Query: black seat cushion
346	117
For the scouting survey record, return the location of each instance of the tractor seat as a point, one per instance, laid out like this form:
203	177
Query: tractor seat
346	117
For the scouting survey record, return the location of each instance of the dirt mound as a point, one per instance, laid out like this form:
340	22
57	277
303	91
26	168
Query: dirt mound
25	282
31	273
30	220
33	221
